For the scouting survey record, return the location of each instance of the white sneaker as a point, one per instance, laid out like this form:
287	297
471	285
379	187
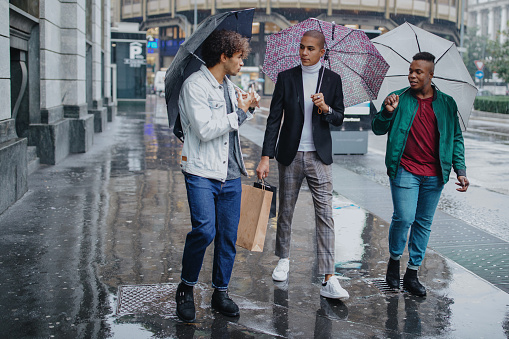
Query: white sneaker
333	290
281	271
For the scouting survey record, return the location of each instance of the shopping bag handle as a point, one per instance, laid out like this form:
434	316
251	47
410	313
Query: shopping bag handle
264	183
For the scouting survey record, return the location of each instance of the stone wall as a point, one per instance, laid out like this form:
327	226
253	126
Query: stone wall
13	167
5	86
50	54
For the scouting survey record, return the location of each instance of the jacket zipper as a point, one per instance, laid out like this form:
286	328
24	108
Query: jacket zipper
406	138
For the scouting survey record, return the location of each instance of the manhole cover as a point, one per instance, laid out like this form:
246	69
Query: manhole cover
147	299
382	286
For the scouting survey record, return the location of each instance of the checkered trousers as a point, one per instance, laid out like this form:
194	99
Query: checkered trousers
319	179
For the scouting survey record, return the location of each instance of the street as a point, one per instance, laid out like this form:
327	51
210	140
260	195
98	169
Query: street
93	249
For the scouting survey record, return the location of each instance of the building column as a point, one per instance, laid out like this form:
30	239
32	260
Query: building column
13	150
98	110
503	24
479	22
73	47
491	24
108	102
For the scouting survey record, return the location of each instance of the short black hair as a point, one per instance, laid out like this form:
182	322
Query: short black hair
424	56
223	41
317	35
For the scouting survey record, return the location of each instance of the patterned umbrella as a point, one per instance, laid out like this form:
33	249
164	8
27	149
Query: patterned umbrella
350	54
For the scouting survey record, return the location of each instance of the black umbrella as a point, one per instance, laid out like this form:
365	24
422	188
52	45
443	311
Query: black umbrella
188	58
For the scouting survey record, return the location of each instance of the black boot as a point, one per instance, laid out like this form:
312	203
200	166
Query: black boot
222	302
412	284
392	276
185	303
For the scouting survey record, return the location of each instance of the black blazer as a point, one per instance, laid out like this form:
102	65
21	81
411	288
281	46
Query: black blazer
288	103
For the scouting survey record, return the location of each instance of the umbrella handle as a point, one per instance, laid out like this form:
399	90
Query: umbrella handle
319	110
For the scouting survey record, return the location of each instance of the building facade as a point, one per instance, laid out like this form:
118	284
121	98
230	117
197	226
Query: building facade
168	22
489	16
55	84
174	19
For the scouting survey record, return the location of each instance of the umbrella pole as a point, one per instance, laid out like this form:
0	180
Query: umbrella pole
320	86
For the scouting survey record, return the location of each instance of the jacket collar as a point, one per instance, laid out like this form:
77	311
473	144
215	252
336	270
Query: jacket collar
300	89
209	76
434	92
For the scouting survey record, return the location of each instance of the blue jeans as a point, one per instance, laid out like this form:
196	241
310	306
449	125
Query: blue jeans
215	214
415	199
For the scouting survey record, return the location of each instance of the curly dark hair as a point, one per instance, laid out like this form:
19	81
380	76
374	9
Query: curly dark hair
223	41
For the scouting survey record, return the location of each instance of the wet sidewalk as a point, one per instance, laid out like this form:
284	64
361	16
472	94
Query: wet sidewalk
93	250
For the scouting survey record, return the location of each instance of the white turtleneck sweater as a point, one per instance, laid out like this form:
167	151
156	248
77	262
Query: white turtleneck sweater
309	81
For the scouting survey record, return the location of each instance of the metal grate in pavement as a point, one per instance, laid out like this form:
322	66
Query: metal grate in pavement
148	299
382	286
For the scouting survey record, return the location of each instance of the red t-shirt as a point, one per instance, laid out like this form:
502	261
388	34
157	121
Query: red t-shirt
421	155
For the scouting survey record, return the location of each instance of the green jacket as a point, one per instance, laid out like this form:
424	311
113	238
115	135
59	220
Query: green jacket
451	147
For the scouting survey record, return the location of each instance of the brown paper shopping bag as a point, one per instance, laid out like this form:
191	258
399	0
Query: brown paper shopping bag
254	215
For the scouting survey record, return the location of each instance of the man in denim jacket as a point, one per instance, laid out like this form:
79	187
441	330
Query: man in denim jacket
212	165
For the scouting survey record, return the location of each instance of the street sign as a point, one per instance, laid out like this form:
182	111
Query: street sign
479	64
479	75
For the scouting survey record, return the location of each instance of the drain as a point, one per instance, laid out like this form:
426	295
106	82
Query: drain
382	286
148	299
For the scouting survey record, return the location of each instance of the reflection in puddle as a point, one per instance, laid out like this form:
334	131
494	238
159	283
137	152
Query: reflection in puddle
349	221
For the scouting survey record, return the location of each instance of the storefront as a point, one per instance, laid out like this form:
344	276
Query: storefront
129	54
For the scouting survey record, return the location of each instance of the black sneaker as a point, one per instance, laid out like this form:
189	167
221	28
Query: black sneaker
185	303
222	302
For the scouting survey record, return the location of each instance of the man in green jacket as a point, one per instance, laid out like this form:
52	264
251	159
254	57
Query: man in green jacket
424	143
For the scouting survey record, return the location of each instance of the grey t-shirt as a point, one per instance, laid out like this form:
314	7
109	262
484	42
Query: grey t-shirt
233	165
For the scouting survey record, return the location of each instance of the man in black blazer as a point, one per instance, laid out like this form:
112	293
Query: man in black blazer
298	136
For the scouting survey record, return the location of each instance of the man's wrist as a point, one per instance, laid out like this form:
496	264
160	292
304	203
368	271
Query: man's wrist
327	111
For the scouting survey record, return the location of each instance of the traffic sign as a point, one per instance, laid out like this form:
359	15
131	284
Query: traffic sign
479	75
479	64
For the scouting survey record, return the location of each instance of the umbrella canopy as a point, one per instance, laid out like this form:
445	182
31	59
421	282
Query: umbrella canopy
188	58
451	76
351	55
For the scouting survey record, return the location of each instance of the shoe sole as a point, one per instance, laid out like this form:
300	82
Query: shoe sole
183	319
330	296
236	314
417	295
279	280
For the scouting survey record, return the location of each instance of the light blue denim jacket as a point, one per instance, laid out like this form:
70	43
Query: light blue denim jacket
206	125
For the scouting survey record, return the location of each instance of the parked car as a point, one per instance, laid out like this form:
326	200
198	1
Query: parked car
484	93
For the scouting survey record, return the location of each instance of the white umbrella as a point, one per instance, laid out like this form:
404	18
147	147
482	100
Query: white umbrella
451	76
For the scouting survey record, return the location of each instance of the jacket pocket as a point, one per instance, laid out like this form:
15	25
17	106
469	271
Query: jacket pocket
217	107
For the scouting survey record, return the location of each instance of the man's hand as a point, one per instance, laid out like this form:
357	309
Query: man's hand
463	182
262	171
256	99
391	102
319	102
244	100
